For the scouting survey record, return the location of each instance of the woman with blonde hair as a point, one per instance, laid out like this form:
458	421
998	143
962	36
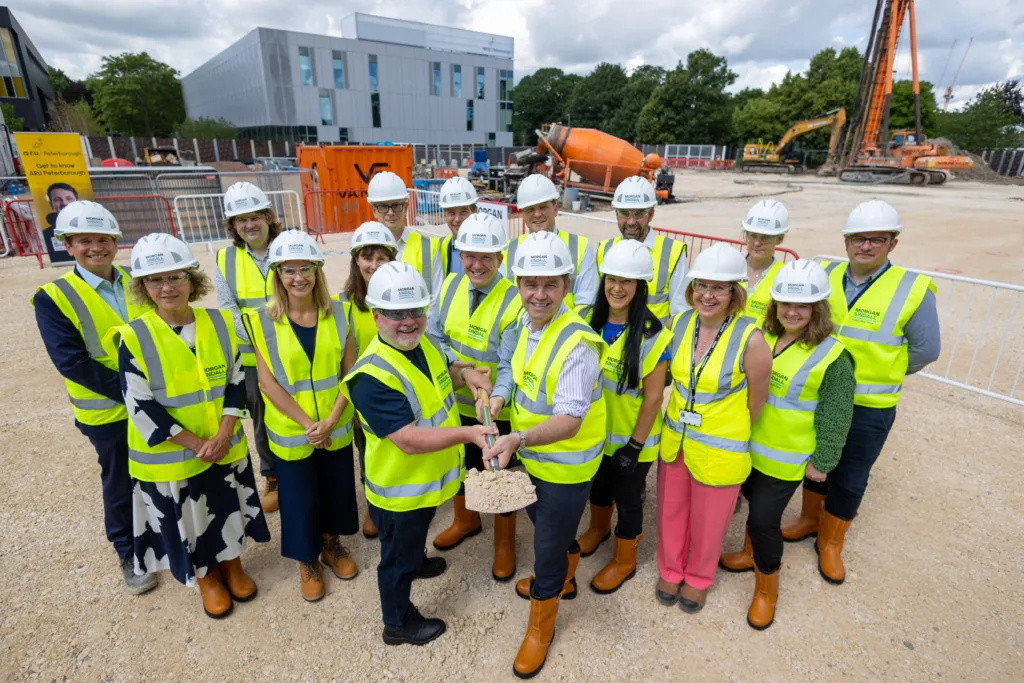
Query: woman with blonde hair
195	500
801	430
300	342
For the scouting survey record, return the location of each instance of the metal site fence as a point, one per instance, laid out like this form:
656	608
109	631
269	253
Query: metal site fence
1006	162
200	217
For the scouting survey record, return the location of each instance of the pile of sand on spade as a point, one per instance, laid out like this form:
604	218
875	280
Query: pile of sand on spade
501	491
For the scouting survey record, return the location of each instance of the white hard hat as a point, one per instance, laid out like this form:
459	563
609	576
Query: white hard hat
386	187
160	252
373	233
455	192
294	245
873	216
628	258
720	263
801	282
767	217
481	233
244	198
84	217
634	193
396	286
540	254
535	189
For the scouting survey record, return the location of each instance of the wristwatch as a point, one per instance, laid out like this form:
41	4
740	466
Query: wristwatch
522	440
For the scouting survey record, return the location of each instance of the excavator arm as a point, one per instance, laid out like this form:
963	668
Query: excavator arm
835	118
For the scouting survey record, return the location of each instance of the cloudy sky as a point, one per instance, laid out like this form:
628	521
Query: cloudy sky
762	39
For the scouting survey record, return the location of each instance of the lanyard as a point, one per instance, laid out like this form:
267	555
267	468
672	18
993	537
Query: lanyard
611	342
695	372
867	285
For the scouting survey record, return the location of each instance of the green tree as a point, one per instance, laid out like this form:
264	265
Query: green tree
598	96
77	117
135	94
692	105
206	128
759	120
901	110
59	81
643	82
15	124
64	86
985	123
541	97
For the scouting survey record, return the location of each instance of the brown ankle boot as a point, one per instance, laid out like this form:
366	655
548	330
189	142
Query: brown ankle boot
268	498
465	525
504	547
810	517
539	634
524	587
743	561
829	547
369	528
216	598
312	580
766	592
241	586
622	568
599	531
338	559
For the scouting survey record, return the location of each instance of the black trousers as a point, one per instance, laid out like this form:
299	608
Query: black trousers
768	498
474	456
628	492
403	541
846	484
111	444
556	518
257	410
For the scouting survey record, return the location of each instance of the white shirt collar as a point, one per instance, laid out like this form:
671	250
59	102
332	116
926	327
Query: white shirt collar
94	281
649	240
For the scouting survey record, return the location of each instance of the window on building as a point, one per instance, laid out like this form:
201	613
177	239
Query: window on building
469	114
435	79
12	83
343	134
479	82
505	85
338	63
375	109
492	139
505	117
457	80
306	66
326	108
374	82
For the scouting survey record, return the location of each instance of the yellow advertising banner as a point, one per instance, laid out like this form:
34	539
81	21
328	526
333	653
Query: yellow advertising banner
57	174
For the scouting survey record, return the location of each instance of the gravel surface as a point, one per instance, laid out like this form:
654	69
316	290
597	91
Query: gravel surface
934	561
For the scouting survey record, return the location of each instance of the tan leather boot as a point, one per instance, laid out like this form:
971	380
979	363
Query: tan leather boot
743	561
829	547
241	586
268	498
599	531
369	528
539	634
569	592
504	547
622	568
465	525
806	525
216	598
312	580
337	558
766	593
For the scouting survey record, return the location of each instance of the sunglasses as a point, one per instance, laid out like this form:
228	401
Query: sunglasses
399	316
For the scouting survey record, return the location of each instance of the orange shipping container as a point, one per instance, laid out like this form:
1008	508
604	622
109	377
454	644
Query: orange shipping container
344	172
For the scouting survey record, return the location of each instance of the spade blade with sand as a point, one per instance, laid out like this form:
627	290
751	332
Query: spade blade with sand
496	490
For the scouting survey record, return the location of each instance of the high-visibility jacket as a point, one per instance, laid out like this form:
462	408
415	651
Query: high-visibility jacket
718	452
666	254
191	386
93	318
314	385
783	440
419	252
360	323
249	287
761	296
475	338
445	248
872	330
577	247
394	480
569	461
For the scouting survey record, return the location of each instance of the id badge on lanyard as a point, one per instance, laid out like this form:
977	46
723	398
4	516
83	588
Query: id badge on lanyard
688	416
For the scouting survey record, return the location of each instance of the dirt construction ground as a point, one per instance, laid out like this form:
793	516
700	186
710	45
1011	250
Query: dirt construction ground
934	583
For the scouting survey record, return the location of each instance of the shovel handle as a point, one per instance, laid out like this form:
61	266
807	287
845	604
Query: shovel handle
485	411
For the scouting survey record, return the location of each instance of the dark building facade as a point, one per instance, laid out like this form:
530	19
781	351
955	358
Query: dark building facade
23	77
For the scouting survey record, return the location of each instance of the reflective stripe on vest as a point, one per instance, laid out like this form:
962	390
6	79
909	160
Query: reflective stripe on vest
174	457
414	490
760	297
426	247
724	377
277	365
540	405
231	256
89	334
435	420
449	290
155	367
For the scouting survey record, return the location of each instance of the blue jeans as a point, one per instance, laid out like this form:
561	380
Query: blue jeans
111	444
403	542
556	519
846	484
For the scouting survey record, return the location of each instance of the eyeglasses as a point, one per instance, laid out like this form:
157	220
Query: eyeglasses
173	280
635	214
385	209
399	316
290	272
715	289
759	238
859	240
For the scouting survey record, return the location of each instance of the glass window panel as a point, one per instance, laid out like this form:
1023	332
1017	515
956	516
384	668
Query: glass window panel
339	72
3	89
19	89
305	68
456	80
326	109
375	109
480	83
469	114
9	84
5	35
374	81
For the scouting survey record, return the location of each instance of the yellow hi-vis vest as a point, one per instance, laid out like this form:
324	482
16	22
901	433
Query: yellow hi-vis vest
873	330
475	338
394	480
419	252
247	284
784	438
361	326
761	296
718	452
666	253
570	461
314	385
444	247
189	385
577	247
93	318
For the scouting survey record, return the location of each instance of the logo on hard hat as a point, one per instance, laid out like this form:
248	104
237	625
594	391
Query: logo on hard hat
373	235
296	248
455	195
539	260
406	293
478	239
154	259
632	198
93	222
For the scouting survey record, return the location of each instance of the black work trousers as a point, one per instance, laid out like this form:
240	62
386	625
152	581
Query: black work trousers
111	444
627	491
403	542
768	498
556	519
257	410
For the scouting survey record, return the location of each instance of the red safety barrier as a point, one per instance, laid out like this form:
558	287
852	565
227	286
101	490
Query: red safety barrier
696	243
445	173
19	219
332	211
139	215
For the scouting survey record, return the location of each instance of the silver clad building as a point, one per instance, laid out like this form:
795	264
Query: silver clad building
385	80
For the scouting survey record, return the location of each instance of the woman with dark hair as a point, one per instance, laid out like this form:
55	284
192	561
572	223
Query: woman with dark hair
633	379
372	246
802	428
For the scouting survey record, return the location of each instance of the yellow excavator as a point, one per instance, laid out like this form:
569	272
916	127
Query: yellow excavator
773	157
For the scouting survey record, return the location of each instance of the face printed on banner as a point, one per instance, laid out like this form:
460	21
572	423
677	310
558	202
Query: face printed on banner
60	195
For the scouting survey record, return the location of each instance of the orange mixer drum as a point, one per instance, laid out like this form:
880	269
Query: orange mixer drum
590	153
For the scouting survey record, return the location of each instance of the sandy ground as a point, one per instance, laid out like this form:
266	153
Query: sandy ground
934	560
